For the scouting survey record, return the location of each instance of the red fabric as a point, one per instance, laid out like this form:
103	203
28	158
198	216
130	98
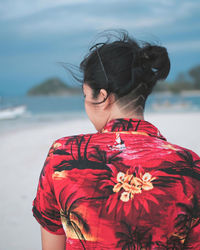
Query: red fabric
125	187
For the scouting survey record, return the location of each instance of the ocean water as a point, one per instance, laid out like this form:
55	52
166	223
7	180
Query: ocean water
41	110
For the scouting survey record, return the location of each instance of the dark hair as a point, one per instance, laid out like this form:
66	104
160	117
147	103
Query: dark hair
125	68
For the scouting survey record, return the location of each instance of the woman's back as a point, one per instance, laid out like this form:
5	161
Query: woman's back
124	187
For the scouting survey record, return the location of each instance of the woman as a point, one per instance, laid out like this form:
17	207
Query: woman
126	186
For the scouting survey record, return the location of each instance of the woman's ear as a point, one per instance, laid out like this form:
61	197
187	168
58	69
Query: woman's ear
103	94
106	99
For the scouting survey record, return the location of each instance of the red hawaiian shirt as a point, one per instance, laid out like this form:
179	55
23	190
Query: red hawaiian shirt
125	187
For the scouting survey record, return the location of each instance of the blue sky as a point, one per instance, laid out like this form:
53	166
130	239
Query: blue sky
35	35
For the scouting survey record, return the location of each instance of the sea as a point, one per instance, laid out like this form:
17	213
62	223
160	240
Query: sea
52	109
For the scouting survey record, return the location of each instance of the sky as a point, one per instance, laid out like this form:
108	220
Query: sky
36	35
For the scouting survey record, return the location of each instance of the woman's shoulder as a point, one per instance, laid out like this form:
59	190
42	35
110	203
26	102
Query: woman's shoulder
181	161
181	151
63	140
77	140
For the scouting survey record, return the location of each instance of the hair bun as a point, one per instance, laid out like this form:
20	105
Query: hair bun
156	59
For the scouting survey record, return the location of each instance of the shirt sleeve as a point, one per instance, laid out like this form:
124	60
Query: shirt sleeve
45	208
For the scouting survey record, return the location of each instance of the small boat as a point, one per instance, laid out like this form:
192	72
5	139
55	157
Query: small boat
12	112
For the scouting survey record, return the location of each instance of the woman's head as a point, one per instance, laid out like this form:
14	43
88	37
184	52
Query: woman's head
121	73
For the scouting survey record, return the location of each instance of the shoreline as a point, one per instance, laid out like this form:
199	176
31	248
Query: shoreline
184	93
190	93
52	119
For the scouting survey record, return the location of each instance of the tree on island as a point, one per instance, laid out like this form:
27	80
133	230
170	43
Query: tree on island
184	82
53	86
195	74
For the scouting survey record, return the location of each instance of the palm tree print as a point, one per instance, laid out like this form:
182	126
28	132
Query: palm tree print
133	239
185	167
125	125
72	219
189	218
173	243
165	181
98	159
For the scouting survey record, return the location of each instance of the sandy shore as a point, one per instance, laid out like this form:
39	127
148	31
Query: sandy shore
22	156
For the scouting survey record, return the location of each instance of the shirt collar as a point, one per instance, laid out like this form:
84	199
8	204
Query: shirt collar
132	124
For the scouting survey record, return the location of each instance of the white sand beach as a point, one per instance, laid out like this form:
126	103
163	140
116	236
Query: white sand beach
22	156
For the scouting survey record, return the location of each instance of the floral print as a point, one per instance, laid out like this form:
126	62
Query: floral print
125	187
132	185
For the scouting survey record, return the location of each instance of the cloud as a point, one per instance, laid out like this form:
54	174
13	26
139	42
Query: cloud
54	17
10	9
69	19
79	21
134	23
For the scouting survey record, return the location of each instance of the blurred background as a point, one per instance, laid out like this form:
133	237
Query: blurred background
40	102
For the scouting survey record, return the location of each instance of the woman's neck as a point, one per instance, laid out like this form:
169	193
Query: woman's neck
131	115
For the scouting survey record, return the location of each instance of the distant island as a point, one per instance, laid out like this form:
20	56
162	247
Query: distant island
187	83
53	86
